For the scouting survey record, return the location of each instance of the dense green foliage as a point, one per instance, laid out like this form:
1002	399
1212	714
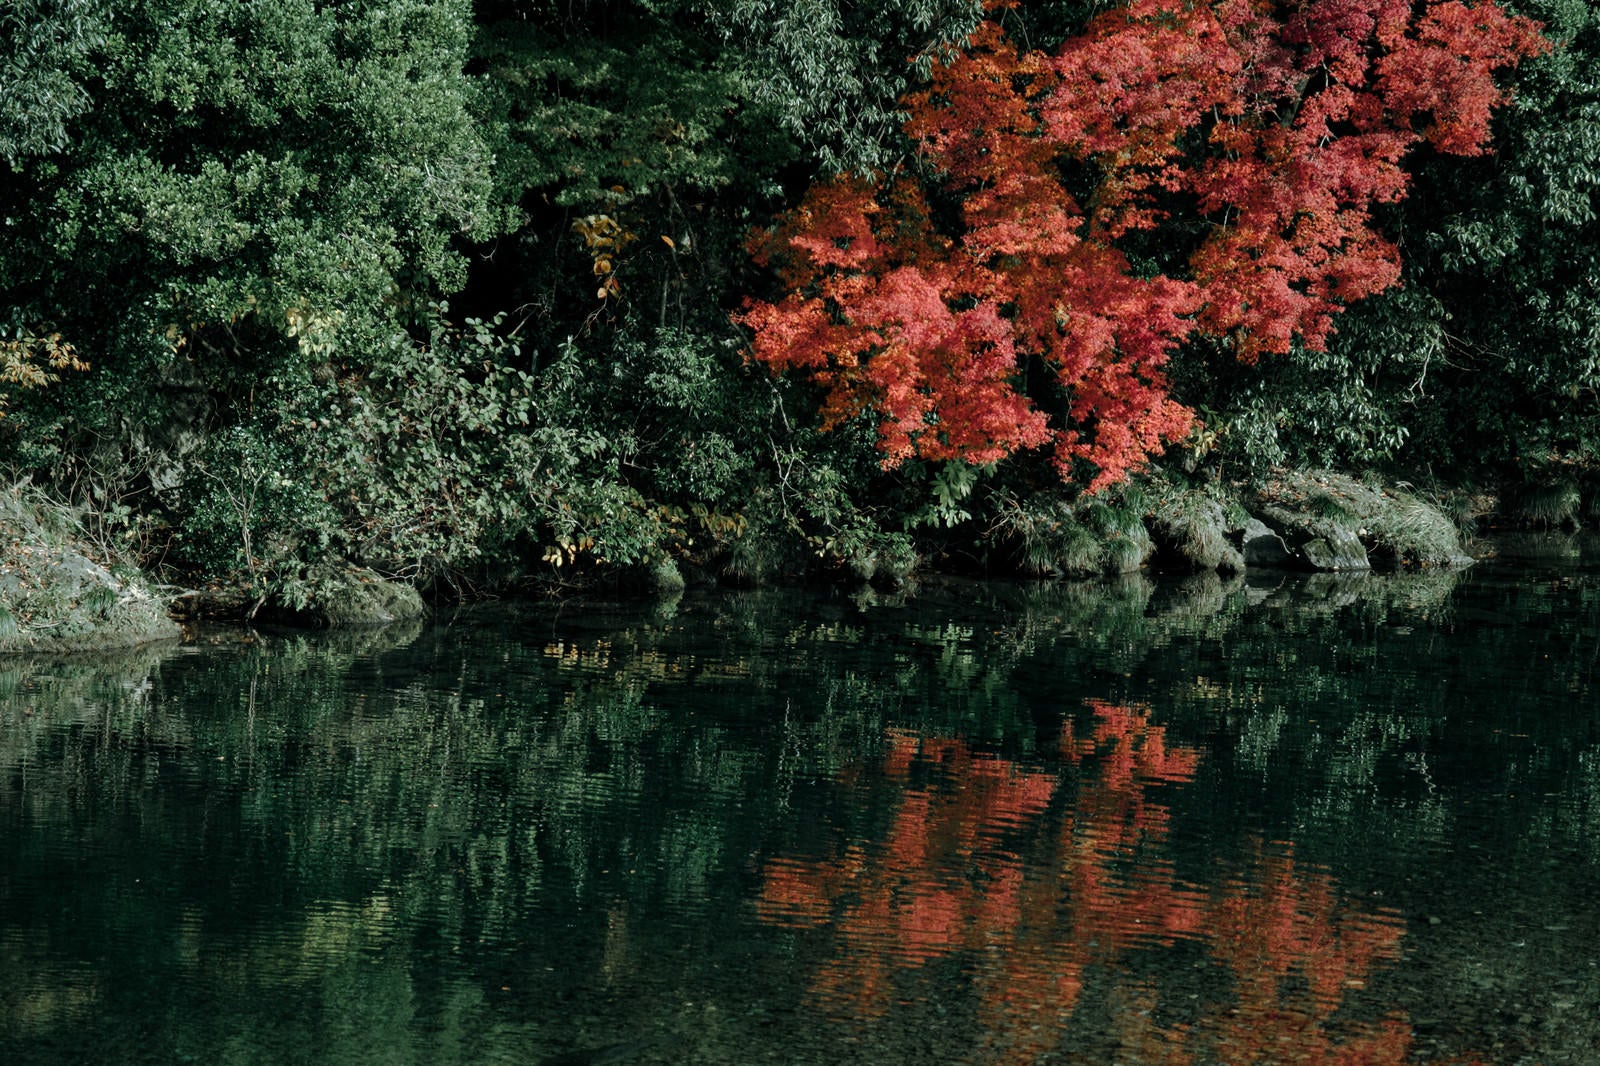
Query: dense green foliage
42	70
1512	259
253	197
444	288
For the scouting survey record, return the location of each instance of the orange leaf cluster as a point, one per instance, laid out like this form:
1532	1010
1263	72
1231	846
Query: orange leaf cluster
1272	129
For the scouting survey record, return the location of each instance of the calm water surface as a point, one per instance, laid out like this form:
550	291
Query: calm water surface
1153	821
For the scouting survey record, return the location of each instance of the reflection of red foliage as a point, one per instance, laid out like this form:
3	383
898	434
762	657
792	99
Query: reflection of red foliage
909	901
948	880
1294	954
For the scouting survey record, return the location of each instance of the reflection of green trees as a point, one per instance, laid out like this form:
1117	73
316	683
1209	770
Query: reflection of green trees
287	820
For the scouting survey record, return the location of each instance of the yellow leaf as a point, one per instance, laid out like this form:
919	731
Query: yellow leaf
668	242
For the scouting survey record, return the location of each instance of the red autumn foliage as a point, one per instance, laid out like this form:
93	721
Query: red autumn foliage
1269	130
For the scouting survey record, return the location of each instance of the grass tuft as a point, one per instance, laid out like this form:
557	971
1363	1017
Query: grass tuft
1550	506
1324	505
1392	522
101	600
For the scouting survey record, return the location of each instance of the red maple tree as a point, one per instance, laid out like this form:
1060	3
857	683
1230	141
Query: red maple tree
1259	135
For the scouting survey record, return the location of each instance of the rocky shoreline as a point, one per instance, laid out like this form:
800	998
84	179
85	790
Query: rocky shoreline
59	594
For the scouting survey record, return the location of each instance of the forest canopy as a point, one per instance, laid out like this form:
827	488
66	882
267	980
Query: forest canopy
444	287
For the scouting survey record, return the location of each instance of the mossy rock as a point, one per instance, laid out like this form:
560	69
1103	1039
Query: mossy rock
369	600
55	597
767	549
1334	522
896	561
1261	546
349	596
1193	529
1335	547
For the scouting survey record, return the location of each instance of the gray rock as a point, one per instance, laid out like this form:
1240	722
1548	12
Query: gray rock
1315	543
62	601
1338	548
1260	546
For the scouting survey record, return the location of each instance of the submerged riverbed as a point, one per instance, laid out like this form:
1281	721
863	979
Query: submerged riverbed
1290	819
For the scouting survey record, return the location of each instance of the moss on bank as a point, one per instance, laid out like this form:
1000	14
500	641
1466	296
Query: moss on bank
334	596
57	594
1294	520
1392	525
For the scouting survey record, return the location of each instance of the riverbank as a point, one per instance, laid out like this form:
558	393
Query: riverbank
61	592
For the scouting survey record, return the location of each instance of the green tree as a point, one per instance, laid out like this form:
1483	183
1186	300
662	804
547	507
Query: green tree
246	203
638	142
44	60
640	139
247	187
1513	267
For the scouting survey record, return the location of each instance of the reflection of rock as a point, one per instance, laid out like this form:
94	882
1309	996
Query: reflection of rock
1546	547
1337	590
360	641
664	608
1259	587
1195	597
607	1054
1408	591
95	694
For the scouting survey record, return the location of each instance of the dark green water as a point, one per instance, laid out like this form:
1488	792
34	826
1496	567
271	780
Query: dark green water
1149	822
